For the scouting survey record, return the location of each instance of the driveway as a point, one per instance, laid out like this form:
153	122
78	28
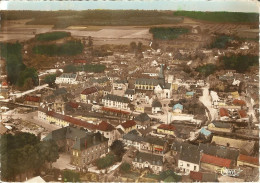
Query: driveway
63	162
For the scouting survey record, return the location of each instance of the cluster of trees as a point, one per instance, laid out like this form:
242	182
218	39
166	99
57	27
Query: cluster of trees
71	176
240	63
101	53
50	79
206	70
124	167
167	33
17	72
69	48
106	161
51	36
220	16
221	42
24	153
97	68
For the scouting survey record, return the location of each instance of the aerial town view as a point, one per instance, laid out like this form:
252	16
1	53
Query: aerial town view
129	96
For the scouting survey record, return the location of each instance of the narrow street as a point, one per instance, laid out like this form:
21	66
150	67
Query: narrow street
206	100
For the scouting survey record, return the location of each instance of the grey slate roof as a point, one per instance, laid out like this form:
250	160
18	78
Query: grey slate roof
156	103
116	98
130	92
133	137
142	117
154	140
122	81
81	137
142	157
148	81
219	151
221	125
190	154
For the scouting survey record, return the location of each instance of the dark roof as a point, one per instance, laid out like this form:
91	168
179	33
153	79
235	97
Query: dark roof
142	117
142	157
221	124
154	140
120	131
219	151
104	126
89	91
213	160
60	91
190	154
128	124
32	98
130	92
123	81
148	81
133	137
91	139
156	103
72	120
116	98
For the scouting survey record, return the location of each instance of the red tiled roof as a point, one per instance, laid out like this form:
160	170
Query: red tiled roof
74	104
80	61
248	159
239	102
89	91
166	127
128	124
223	112
72	120
114	110
221	162
197	176
104	126
242	113
4	83
32	98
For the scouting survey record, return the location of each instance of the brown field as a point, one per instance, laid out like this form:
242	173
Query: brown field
18	30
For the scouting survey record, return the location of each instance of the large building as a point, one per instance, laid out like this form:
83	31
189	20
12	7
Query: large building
158	86
84	147
116	102
66	78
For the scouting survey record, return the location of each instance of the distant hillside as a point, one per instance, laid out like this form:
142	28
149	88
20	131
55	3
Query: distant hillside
63	19
222	17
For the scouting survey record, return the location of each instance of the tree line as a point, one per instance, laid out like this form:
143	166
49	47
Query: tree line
23	153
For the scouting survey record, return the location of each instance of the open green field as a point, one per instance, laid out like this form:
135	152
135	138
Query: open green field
222	17
52	36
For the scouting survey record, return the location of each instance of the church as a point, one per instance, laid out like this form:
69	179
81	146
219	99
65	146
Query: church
158	86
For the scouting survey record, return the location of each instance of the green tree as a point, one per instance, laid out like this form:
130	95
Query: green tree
49	151
50	79
118	148
106	161
71	176
169	175
139	46
125	167
28	73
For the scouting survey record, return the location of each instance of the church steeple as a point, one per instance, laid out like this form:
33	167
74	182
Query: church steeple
161	73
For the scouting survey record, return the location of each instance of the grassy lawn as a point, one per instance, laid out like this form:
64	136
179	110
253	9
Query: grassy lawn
220	16
167	33
152	176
